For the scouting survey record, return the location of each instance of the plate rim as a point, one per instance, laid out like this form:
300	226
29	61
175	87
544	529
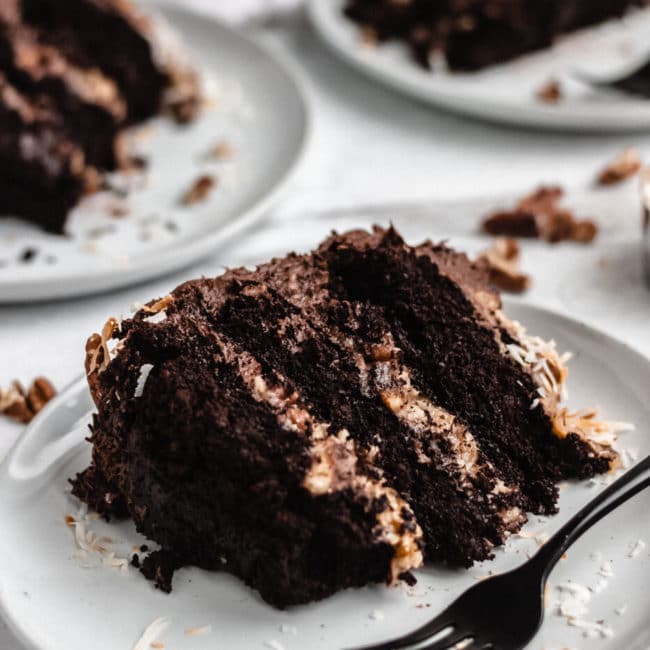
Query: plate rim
61	287
321	14
77	385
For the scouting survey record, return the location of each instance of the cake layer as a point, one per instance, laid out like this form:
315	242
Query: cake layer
477	33
43	173
332	419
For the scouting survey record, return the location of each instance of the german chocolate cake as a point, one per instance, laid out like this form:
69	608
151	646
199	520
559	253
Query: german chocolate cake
473	34
73	75
331	420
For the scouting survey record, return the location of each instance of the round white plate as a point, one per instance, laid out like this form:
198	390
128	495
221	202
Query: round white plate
54	603
506	93
256	105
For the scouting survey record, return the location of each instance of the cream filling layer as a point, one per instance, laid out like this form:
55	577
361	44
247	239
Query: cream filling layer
334	463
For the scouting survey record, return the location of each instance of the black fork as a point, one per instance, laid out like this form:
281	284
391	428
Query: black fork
505	612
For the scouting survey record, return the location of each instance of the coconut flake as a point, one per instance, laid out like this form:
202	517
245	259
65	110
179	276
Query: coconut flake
151	634
273	645
142	379
637	548
199	630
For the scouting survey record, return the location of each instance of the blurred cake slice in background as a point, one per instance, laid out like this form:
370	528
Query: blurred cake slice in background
80	71
473	34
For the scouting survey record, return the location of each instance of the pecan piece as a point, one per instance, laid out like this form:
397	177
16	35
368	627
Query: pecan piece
200	190
624	166
502	261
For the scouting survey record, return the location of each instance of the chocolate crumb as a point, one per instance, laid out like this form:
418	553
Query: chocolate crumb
408	578
144	548
159	567
200	190
502	261
539	215
550	92
28	255
135	561
624	166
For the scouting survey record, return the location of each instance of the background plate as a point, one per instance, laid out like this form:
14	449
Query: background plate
258	107
53	603
506	93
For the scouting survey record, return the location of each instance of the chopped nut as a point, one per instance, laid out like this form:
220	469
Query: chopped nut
200	190
502	261
39	394
223	150
624	166
550	92
540	215
21	405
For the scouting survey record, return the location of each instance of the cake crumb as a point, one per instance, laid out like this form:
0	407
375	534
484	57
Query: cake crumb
626	165
376	615
540	215
550	92
200	190
502	261
288	629
159	645
22	405
222	150
620	611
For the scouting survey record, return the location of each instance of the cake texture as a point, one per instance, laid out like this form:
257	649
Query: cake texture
473	34
331	420
95	67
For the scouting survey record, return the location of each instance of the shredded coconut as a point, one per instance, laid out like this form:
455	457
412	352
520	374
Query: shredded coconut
142	379
89	544
274	645
637	548
549	371
151	634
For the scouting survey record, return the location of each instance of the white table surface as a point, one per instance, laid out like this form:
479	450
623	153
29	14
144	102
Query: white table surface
369	145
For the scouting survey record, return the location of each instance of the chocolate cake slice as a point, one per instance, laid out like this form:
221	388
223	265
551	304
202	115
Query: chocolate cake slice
93	67
473	34
43	173
91	107
330	420
139	52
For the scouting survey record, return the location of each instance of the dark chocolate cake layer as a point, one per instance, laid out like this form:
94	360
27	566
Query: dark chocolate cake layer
330	420
474	34
43	173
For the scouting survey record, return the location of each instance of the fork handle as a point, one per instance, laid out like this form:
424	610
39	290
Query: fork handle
627	486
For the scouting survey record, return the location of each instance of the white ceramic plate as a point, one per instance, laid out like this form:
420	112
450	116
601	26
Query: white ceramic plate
258	108
53	603
506	93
